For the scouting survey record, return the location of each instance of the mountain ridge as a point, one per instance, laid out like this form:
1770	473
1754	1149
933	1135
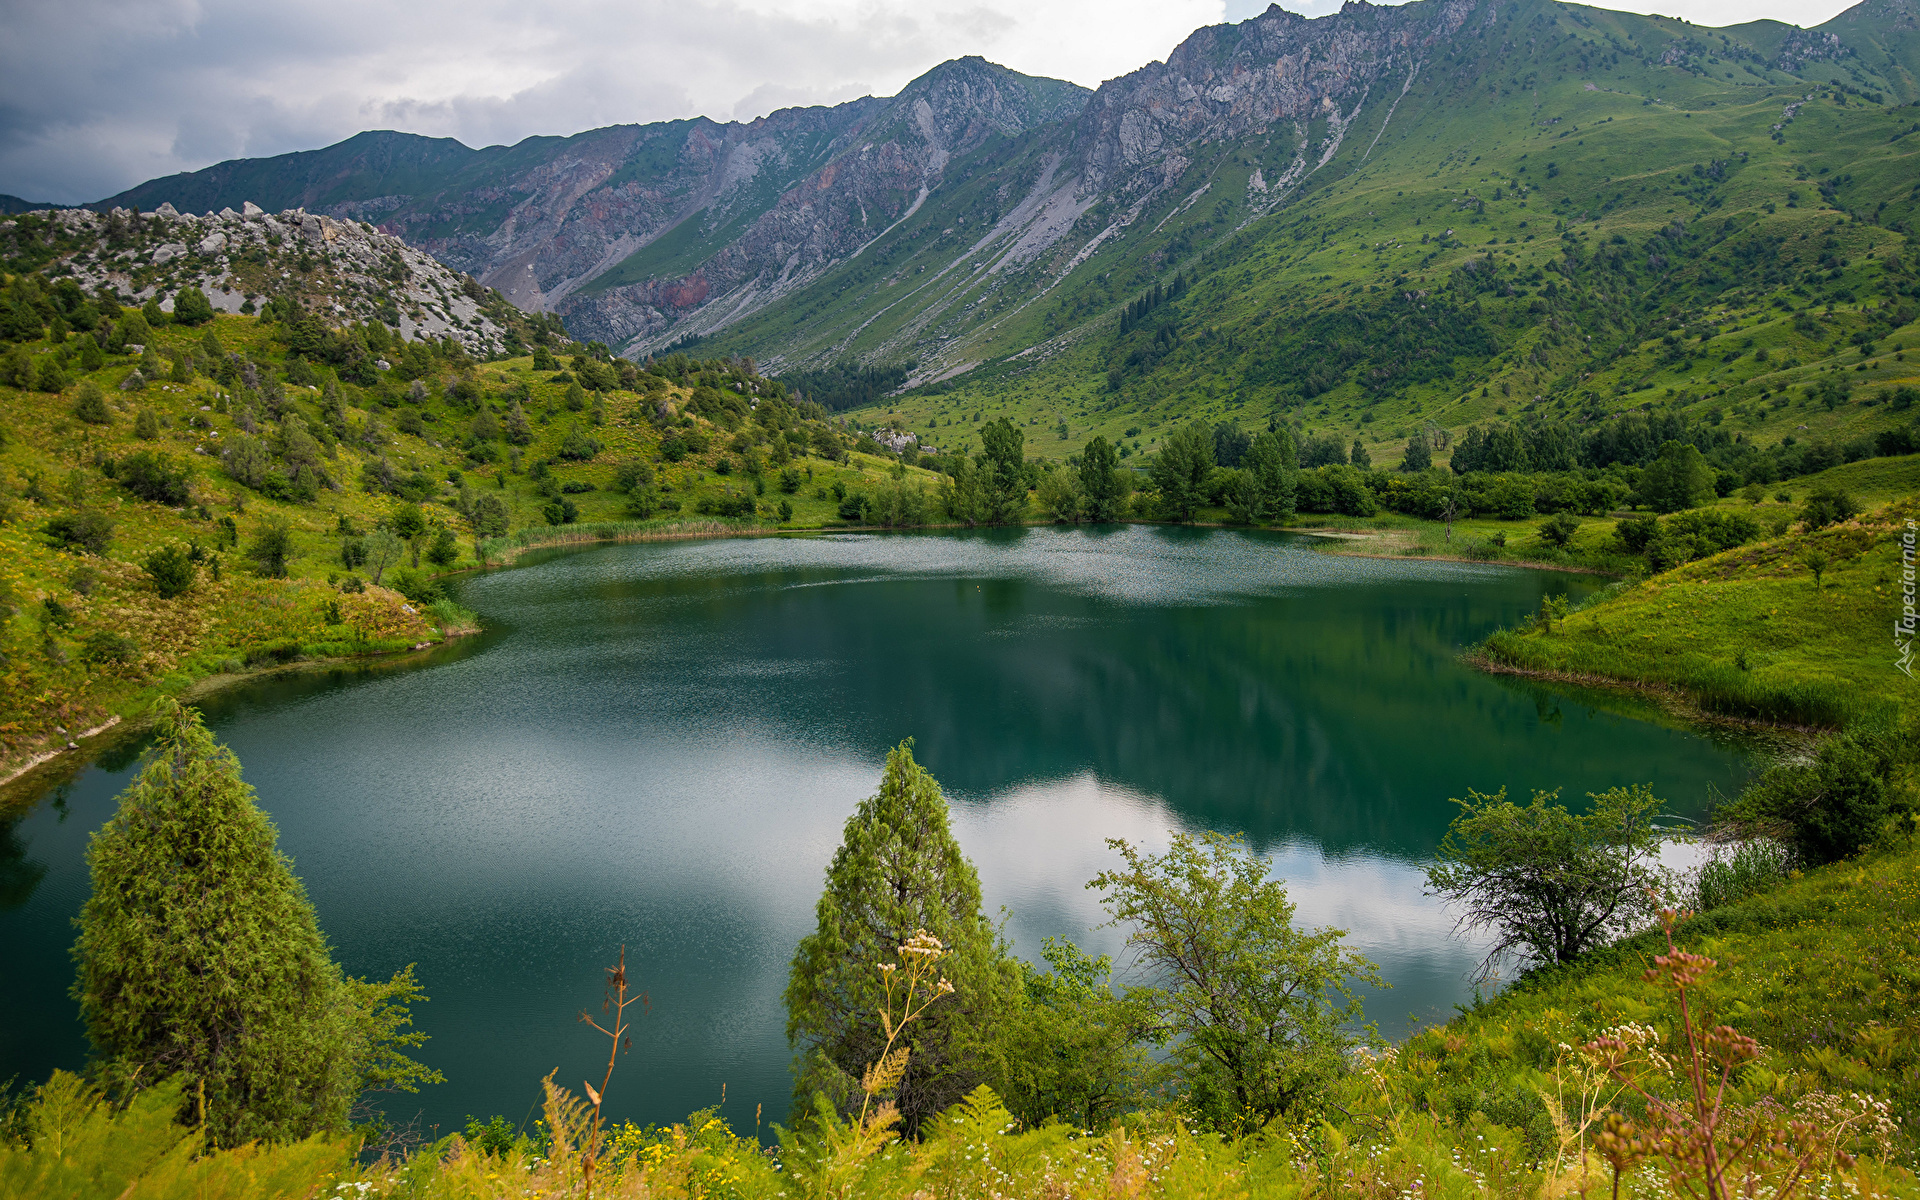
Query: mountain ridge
987	221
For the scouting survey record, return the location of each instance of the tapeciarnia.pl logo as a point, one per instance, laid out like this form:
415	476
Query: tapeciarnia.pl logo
1904	628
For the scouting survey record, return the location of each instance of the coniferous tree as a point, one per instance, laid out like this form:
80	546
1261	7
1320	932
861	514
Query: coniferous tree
200	956
898	870
1359	456
1180	471
1100	481
91	406
191	307
1419	455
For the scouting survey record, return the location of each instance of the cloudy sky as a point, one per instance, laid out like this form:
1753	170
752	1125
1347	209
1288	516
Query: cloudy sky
98	95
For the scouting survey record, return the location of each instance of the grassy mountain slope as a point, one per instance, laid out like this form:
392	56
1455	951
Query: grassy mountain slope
1554	197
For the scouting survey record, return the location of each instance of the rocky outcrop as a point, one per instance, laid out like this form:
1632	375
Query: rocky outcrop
340	270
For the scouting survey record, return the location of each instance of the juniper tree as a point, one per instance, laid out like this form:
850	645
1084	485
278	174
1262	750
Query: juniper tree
200	958
91	405
898	870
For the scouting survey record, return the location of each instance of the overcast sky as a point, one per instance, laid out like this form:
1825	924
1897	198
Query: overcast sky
98	95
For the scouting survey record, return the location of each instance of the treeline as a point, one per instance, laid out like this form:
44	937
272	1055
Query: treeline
847	383
1636	439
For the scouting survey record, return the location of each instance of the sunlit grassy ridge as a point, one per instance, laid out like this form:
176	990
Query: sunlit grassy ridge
1750	632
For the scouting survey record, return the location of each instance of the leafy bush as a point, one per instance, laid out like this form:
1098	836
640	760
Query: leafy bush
271	548
1829	808
416	585
578	446
91	404
1827	506
155	477
83	529
171	570
106	646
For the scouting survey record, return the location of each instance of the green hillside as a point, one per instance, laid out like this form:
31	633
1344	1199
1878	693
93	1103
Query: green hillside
1573	212
220	433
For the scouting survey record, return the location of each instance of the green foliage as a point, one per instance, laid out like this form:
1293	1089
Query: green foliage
1560	529
1256	1009
191	307
1267	484
90	404
1073	1050
1827	506
1548	883
1750	868
1002	472
444	550
272	547
83	529
1103	489
171	570
578	446
1179	472
84	1148
154	477
1828	808
1059	495
1679	478
898	870
200	959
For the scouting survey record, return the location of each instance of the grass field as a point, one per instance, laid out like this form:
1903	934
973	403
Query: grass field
1751	632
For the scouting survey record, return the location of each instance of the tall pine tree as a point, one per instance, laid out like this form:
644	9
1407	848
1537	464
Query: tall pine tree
898	870
200	956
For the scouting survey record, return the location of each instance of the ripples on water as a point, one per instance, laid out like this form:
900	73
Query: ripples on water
658	745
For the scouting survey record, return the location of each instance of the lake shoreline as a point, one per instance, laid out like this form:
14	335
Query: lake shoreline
1677	701
119	725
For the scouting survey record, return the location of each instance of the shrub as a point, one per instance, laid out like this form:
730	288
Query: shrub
106	646
1560	529
191	307
271	548
560	512
84	529
154	477
415	585
91	404
248	461
171	570
1829	808
1827	506
632	474
445	549
577	446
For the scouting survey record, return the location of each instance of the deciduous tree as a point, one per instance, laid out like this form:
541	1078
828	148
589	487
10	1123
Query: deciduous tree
1550	884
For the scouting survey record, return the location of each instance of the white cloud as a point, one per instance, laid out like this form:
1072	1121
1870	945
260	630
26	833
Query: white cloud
144	90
